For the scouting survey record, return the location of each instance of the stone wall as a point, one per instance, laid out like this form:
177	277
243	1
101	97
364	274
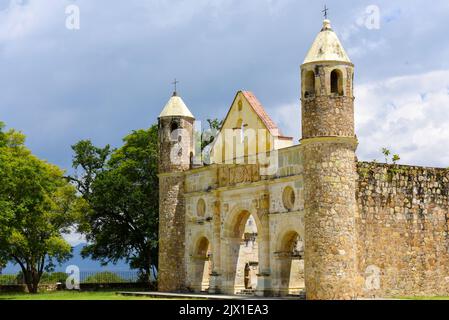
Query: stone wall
328	116
172	215
403	230
329	200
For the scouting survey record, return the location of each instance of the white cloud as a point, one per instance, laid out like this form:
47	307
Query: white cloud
364	46
21	19
288	118
74	238
114	74
409	115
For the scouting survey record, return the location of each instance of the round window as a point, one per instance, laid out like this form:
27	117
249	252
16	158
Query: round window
288	198
201	208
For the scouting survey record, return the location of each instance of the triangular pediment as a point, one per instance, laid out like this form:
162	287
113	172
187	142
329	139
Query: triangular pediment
247	108
247	119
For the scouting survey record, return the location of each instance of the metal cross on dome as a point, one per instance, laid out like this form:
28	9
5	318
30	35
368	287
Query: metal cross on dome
175	83
326	9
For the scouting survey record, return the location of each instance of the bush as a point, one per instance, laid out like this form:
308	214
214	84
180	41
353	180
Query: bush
8	279
104	277
52	278
47	278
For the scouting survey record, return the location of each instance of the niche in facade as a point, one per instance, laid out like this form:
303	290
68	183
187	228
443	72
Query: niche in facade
337	82
309	84
201	208
288	198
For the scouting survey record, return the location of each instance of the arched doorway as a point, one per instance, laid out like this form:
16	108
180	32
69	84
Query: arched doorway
202	265
291	264
242	267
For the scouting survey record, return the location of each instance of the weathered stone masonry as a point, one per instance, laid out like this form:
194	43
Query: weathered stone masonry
175	147
330	238
172	231
403	230
320	222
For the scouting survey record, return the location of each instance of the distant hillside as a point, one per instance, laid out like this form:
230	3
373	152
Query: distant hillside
83	264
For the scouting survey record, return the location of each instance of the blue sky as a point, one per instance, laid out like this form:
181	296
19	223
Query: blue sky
113	75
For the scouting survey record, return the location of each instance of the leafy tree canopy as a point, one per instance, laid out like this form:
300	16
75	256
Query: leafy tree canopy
122	219
35	209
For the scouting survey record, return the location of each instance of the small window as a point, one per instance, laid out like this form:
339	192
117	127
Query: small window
337	82
174	126
309	84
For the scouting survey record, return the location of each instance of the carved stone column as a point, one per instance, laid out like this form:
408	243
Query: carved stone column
215	283
264	286
215	276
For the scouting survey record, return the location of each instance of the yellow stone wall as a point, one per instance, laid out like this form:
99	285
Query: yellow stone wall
227	208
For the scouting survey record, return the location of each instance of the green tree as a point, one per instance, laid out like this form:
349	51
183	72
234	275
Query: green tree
208	136
35	209
2	135
91	160
386	152
122	221
204	140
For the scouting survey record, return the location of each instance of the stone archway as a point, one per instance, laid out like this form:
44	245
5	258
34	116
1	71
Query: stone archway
201	265
242	252
290	264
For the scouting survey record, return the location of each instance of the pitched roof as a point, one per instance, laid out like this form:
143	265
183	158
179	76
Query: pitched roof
176	107
263	115
327	47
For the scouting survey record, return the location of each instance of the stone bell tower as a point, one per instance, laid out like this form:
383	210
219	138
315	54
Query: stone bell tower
175	153
329	144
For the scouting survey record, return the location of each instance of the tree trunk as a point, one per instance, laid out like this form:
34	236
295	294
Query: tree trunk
145	275
31	276
32	279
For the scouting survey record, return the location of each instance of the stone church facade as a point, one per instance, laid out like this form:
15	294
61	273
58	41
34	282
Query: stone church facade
270	218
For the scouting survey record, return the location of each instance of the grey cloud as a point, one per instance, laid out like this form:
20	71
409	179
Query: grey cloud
114	74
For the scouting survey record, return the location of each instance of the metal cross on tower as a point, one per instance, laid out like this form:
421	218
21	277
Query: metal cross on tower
326	9
175	83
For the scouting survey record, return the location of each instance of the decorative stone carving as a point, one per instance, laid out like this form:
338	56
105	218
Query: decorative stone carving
232	175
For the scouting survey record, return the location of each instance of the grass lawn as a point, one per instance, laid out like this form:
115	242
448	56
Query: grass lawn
69	295
424	298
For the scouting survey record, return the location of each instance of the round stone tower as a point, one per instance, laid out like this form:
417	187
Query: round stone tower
329	144
175	153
